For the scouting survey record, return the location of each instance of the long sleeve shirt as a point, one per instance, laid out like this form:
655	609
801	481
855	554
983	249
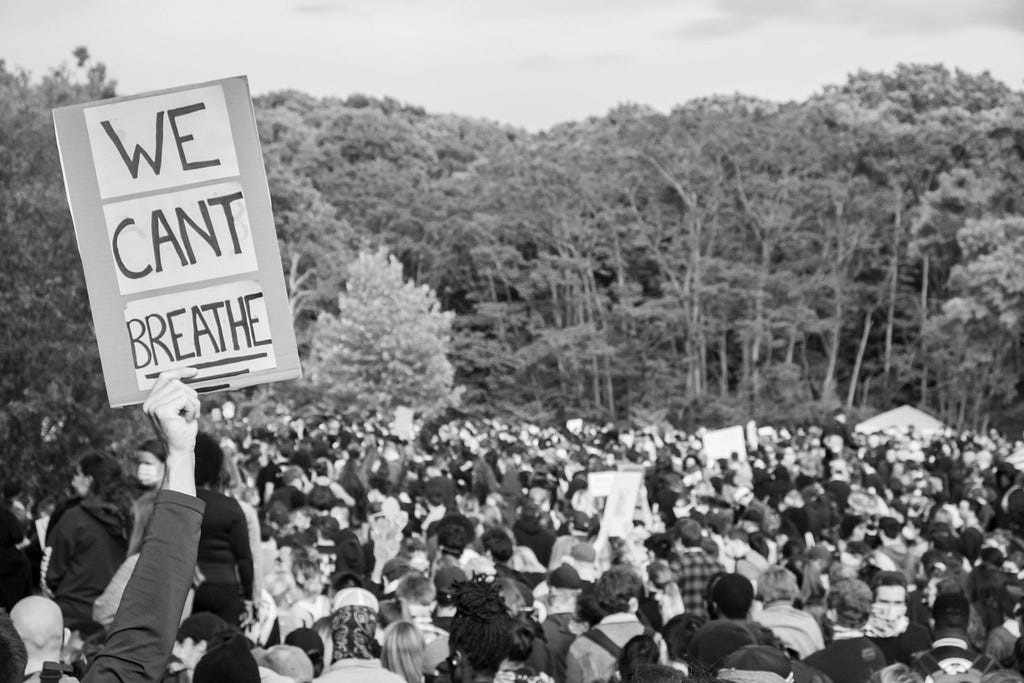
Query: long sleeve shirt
142	634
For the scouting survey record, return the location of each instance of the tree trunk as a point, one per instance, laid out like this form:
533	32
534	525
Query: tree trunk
891	313
852	392
723	362
828	385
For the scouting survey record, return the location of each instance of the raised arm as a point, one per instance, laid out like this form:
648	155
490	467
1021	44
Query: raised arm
142	634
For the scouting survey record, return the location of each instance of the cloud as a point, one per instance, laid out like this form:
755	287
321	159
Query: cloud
733	17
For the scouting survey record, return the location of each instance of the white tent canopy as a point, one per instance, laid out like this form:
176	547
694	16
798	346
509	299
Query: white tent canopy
901	419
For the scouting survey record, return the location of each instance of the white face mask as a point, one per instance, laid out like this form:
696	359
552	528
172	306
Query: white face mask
150	474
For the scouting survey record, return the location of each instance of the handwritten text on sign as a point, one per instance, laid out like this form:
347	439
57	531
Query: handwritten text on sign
161	142
180	237
222	330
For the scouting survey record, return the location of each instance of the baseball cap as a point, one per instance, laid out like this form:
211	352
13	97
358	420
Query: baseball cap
447	577
566	577
307	640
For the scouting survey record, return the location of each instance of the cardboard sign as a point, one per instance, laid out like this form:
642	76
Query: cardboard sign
621	504
403	426
600	483
720	444
172	214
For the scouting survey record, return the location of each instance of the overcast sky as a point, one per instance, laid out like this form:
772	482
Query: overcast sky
530	63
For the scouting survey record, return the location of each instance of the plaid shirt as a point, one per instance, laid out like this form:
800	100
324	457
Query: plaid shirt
695	571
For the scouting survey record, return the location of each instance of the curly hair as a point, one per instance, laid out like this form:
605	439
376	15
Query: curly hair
482	626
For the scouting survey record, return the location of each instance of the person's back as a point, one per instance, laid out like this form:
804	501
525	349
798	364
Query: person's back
951	656
851	657
593	655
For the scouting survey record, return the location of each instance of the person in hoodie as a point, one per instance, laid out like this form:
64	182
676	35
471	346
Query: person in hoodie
90	541
530	532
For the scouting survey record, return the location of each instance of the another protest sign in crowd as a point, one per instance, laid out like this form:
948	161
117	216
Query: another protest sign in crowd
480	550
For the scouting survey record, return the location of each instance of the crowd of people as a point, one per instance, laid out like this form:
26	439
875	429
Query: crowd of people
481	550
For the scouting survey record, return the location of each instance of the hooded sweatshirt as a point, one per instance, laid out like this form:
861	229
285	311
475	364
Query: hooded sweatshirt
89	544
530	533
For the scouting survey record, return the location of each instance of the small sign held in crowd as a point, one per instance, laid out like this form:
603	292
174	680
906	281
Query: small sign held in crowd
720	444
172	213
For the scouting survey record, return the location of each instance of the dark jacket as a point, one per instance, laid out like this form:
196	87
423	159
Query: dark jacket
530	533
139	641
224	543
89	544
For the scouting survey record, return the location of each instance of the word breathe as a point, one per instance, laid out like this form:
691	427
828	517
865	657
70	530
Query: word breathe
197	331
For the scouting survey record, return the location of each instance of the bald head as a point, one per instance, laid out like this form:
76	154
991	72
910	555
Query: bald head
41	626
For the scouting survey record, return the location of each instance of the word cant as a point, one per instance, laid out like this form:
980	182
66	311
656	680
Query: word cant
198	331
206	224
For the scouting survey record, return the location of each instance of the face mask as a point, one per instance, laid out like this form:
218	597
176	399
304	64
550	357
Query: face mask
150	474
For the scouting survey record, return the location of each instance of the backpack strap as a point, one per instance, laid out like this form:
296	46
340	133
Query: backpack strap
926	664
598	636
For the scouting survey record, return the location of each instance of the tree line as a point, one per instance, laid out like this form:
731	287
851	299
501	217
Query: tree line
733	258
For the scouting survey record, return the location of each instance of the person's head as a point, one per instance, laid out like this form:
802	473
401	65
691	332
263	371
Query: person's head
849	603
418	596
890	589
777	584
498	544
149	460
481	632
40	625
308	576
678	632
13	657
198	634
762	663
730	596
309	641
227	660
97	474
514	596
402	651
209	461
689	533
354	624
619	590
445	581
290	661
714	641
896	673
524	632
638	651
950	613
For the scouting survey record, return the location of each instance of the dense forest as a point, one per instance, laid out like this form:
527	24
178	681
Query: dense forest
732	258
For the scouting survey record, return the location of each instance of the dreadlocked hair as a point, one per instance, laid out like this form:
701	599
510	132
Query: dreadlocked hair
481	628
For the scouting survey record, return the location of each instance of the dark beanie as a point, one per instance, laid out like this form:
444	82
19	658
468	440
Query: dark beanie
229	662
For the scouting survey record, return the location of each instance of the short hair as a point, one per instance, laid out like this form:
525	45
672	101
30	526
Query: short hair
895	673
304	569
689	532
154	446
637	651
13	657
851	599
616	587
416	589
678	633
732	595
777	583
498	543
888	579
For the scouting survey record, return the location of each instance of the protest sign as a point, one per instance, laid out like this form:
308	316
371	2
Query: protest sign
600	483
720	444
172	214
621	504
402	426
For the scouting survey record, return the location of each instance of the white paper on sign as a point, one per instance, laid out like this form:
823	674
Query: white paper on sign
620	507
720	444
403	427
599	484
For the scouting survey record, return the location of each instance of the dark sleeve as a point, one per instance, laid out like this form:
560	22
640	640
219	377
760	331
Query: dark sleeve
239	538
142	635
62	542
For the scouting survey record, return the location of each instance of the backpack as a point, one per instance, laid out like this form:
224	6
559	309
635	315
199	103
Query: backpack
928	666
597	636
